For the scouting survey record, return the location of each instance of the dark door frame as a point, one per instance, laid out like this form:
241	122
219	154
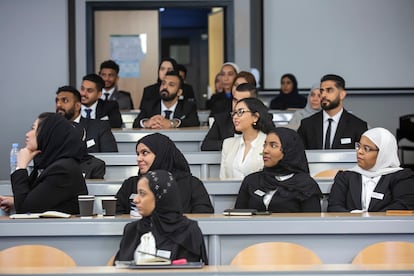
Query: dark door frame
91	7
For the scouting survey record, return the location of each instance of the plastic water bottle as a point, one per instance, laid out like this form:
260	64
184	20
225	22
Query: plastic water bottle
13	157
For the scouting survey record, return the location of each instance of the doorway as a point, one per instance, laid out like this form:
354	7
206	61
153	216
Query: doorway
183	34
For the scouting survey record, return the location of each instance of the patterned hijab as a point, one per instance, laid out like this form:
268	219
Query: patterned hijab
387	159
167	221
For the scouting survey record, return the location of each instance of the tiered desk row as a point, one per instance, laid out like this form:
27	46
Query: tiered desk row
335	237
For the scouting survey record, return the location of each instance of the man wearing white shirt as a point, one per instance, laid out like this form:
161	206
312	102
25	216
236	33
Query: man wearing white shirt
109	71
95	108
98	135
344	128
169	112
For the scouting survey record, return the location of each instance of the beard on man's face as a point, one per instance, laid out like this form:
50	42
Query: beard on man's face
67	114
329	105
166	96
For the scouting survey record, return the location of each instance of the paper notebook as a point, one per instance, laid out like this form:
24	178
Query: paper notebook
47	214
244	212
144	258
132	265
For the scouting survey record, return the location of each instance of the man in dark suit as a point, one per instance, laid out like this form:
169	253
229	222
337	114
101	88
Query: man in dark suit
188	91
169	112
333	127
109	71
223	127
95	108
97	133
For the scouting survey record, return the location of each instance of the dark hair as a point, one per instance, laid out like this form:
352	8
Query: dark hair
110	64
292	79
339	81
247	87
170	60
181	67
100	84
175	73
265	122
70	89
246	75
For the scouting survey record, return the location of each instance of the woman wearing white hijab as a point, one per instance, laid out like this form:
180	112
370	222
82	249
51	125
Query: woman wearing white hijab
313	105
377	183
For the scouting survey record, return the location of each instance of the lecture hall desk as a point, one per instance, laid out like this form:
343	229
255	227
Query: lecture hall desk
335	237
291	270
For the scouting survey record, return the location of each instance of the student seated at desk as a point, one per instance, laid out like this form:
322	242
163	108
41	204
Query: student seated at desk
163	228
284	185
241	155
157	152
377	183
56	180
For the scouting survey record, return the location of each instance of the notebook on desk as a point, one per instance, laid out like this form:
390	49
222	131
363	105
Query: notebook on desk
132	265
47	214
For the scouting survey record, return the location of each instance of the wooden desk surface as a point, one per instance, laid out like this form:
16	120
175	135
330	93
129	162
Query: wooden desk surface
325	269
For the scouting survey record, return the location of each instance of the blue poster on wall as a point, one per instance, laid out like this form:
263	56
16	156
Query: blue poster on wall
128	51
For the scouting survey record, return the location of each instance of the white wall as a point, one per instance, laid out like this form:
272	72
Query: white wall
370	43
34	59
34	63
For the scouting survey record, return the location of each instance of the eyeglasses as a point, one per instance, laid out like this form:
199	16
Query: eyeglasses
239	112
365	148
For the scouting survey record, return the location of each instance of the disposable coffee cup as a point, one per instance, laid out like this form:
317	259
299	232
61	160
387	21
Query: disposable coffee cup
86	203
108	206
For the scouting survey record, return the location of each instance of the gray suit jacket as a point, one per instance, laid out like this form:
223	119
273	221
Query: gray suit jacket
123	98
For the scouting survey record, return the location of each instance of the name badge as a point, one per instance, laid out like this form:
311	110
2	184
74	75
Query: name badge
345	141
377	195
259	193
90	143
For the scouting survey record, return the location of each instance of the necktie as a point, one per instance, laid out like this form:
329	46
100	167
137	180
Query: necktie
167	114
328	135
88	113
106	96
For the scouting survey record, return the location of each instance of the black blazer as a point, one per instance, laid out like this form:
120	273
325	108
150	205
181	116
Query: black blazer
185	111
55	189
151	94
396	188
221	129
349	131
123	98
99	137
109	109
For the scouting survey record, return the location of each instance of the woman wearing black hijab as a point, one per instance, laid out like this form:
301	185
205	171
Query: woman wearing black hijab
151	93
56	180
176	237
157	152
289	96
284	185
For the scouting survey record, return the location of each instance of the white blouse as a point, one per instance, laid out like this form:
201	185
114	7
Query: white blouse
232	163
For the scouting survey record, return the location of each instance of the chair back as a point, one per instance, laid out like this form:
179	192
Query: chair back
328	174
276	253
389	252
406	129
34	255
111	261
